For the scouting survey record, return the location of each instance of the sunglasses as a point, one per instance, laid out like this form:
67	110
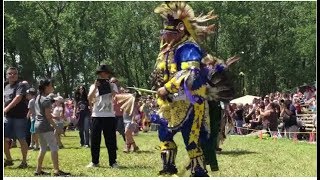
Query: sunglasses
165	31
12	74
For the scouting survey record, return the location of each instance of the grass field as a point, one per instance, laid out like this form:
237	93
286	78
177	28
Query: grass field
241	156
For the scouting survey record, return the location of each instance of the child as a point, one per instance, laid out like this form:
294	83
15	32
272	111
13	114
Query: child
130	123
31	94
68	115
58	116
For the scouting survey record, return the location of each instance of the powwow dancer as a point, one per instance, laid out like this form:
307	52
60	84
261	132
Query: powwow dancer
181	75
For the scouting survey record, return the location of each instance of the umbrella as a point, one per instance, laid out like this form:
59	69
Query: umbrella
244	99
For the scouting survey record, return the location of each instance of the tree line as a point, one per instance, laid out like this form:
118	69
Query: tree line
68	40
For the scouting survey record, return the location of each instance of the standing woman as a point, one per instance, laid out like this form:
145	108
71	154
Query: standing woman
81	107
270	119
45	126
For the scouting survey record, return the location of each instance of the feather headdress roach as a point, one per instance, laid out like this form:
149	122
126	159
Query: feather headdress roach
175	12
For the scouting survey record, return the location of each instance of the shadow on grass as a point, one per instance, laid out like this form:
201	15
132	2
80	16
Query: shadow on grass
138	167
144	152
16	167
72	148
69	136
122	167
236	152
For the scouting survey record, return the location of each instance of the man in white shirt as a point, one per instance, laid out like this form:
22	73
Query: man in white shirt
103	118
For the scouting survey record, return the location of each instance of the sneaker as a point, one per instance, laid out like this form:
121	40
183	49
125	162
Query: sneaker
86	146
61	173
115	165
42	173
23	165
36	149
8	163
92	165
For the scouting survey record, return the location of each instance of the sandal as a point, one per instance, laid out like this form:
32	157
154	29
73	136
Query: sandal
61	173
135	149
8	163
127	148
42	173
23	165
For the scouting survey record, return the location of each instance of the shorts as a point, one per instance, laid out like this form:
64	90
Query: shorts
60	127
66	122
131	126
15	128
48	139
32	130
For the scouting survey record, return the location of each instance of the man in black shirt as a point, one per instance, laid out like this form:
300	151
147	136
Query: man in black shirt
15	113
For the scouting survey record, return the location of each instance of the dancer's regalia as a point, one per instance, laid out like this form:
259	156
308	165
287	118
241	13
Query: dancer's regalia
189	84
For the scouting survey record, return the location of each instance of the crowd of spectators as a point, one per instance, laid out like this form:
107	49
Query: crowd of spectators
275	112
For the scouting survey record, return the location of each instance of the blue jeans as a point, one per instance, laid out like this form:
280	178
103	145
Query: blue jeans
15	128
84	126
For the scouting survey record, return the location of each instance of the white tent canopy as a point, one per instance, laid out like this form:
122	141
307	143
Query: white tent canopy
245	99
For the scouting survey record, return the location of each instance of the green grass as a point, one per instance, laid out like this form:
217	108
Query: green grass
241	156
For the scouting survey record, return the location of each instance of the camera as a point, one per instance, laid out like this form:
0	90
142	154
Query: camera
104	87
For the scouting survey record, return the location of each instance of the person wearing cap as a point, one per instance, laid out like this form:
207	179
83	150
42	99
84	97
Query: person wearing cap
31	95
58	115
101	94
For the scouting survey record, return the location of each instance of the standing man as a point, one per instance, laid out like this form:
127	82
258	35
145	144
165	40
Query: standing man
100	95
15	113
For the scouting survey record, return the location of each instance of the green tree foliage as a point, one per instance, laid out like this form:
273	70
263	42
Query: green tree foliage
68	40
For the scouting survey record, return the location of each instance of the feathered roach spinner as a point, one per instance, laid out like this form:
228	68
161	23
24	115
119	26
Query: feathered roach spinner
181	10
220	82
